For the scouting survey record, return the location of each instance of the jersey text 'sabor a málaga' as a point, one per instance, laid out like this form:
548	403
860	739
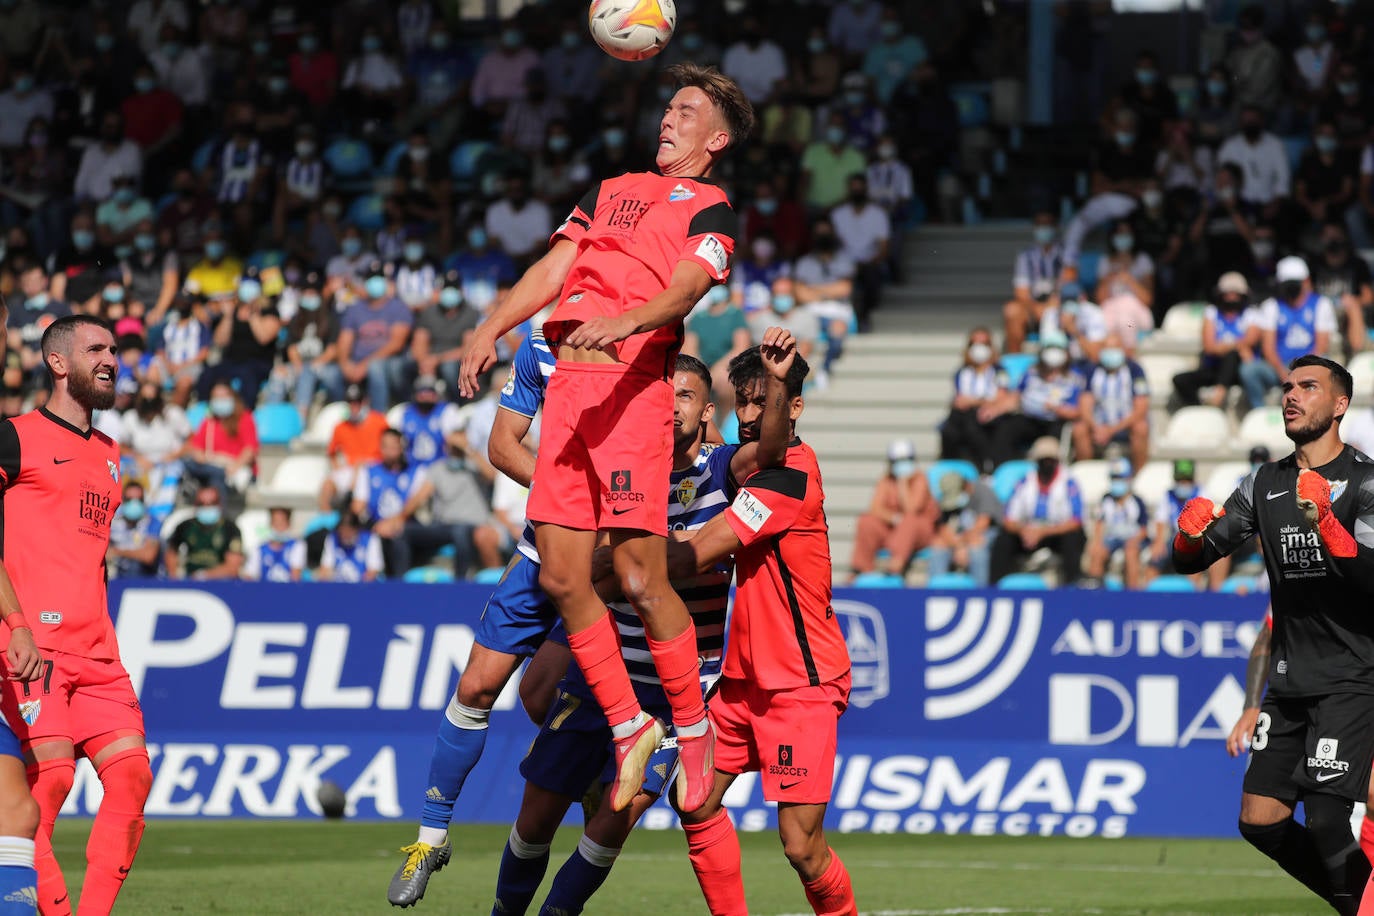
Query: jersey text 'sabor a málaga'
784	632
59	489
631	233
1323	605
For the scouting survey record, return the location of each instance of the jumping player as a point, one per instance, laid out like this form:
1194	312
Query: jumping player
573	748
59	476
786	676
1314	513
626	267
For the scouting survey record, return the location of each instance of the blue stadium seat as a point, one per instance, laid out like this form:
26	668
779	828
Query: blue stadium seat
195	414
1113	584
348	159
278	424
1295	146
971	99
465	164
1016	366
952	580
266	257
878	580
320	521
392	160
366	213
1234	585
489	575
200	159
936	470
1024	581
1008	475
1171	584
430	575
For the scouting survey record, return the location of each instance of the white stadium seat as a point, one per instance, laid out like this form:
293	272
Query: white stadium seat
1221	483
298	475
253	525
1160	369
1196	431
1153	481
1183	323
1264	426
1361	368
395	415
174	518
1094	478
322	428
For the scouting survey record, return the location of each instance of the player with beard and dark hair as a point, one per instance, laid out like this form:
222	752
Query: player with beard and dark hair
59	489
1313	741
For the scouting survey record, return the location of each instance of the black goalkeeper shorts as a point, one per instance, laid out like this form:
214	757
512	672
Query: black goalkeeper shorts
1312	745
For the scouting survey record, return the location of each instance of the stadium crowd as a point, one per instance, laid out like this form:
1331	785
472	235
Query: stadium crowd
290	209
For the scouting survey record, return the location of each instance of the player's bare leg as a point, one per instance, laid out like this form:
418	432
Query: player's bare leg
566	577
1303	850
121	761
18	824
641	565
51	769
823	875
713	849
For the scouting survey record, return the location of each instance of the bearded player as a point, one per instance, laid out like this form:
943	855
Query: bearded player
1313	741
626	267
59	488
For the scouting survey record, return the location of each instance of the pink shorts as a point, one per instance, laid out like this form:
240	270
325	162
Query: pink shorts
74	699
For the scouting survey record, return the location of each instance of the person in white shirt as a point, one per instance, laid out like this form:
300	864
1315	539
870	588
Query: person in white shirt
864	231
755	63
1315	59
1080	320
1293	323
373	75
891	187
20	104
520	223
1264	161
181	69
102	162
147	17
1357	429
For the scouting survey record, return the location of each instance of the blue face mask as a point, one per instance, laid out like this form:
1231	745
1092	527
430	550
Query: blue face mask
125	195
1326	144
309	44
123	251
570	39
249	290
145	241
511	38
1183	491
767	205
613	136
171	49
371	43
1112	358
1043	234
1347	88
277	84
1123	242
208	515
144	85
1119	488
83	239
113	294
815	45
692	41
1315	33
23	84
1124	138
36	302
783	304
835	135
1216	88
260	48
1146	77
132	510
214	250
903	469
890	30
351	247
477	238
559	143
717	295
310	302
450	297
222	407
376	287
104	41
414	251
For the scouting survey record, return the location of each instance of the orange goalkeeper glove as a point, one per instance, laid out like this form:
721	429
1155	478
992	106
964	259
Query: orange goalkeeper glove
1314	499
1198	514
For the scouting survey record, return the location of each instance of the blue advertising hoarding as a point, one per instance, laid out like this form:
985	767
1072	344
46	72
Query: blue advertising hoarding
1072	713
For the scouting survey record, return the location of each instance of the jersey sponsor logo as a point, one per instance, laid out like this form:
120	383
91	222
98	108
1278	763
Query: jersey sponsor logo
865	636
711	250
1300	553
53	617
30	710
576	297
681	193
1326	757
94	508
786	765
975	649
627	214
1156	639
751	510
622	490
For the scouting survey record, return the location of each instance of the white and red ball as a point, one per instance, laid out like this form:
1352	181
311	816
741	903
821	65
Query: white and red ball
632	29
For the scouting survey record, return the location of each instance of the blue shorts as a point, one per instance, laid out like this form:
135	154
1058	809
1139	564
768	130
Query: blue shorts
518	615
9	742
573	748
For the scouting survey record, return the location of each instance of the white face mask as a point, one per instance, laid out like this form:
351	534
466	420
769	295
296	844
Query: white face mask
979	353
1054	357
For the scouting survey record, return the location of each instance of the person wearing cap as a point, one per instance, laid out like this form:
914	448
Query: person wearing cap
426	423
312	346
1046	398
1072	314
969	514
1115	406
1034	279
901	517
1122	525
442	331
1294	322
1227	343
373	335
246	336
981	398
1165	523
1044	511
356	441
1343	277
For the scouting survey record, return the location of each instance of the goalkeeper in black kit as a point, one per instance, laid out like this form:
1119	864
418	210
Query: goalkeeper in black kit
1314	736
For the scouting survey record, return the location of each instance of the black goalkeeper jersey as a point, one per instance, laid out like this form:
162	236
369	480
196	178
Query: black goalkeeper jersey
1323	606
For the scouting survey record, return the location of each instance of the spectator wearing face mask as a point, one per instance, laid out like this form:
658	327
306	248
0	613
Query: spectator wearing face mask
459	514
246	336
1122	526
901	517
416	275
500	77
1348	106
350	263
356	441
755	62
300	183
559	172
782	311
150	272
969	515
717	332
483	266
154	433
1122	168
779	216
865	232
117	218
1324	185
312	347
519	223
1223	234
1226	344
223	452
135	551
441	333
890	187
823	280
1047	397
373	79
1295	321
527	119
826	166
78	269
427	422
1126	290
386	495
207	545
372	340
1185	165
351	553
1115	406
1166	525
110	156
752	278
1149	96
424	187
1314	60
1264	162
1158	226
281	558
1255	64
179	358
186	218
1034	278
1071	315
1045	511
182	68
854	27
572	64
216	275
27	321
980	399
896	53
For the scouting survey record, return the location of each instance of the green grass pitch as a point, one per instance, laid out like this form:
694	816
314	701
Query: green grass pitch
256	867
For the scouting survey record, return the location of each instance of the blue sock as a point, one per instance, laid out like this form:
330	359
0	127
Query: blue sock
834	346
457	748
18	877
580	877
522	868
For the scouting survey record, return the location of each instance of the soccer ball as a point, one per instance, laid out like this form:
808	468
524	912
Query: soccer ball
333	801
632	29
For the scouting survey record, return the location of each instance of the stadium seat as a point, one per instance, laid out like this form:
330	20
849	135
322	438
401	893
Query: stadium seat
489	575
1016	366
430	575
1160	369
1264	426
253	526
392	160
322	427
951	580
1295	145
1361	367
1183	324
971	100
1153	481
366	213
1023	581
278	424
878	580
1094	479
395	415
195	414
298	475
320	521
1236	585
1007	475
936	470
1221	483
350	162
465	164
1171	584
174	518
1113	584
200	159
1195	431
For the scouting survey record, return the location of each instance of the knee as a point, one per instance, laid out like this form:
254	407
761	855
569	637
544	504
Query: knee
805	852
557	584
1012	312
19	816
54	781
640	589
475	692
129	776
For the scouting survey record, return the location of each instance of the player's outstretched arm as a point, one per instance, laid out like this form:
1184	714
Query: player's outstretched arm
1207	532
22	656
713	542
1256	677
689	283
779	352
534	290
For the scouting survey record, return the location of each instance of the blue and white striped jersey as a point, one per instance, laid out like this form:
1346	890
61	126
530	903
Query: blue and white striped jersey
237	168
1114	391
274	561
524	394
1122	519
304	178
983	384
1040	394
416	283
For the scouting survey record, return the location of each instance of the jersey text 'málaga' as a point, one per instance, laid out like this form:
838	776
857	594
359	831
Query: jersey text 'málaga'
631	233
1323	627
784	632
59	489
